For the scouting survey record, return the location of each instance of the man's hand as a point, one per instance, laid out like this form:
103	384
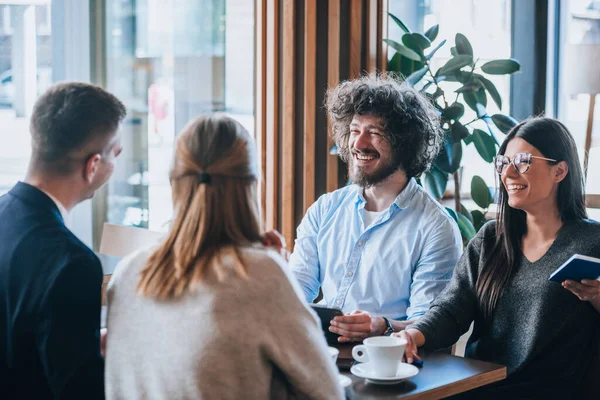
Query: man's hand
103	333
587	290
276	240
356	326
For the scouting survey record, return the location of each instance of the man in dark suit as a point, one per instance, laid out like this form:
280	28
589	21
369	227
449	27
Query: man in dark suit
50	282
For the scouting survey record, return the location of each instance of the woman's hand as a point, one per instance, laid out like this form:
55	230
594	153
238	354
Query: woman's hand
587	290
411	350
276	240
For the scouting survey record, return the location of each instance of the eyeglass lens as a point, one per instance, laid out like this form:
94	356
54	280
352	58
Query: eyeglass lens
521	162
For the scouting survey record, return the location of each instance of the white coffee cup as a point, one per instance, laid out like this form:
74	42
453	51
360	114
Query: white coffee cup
333	353
384	353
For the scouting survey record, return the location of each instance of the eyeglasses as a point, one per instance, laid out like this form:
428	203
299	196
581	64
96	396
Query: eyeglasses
521	162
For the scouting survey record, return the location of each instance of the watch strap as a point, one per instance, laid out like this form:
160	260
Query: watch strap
389	329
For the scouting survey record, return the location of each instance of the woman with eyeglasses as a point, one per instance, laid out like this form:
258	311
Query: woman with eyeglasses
211	313
544	332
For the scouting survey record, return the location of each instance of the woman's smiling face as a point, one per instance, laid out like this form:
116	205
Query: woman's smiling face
535	187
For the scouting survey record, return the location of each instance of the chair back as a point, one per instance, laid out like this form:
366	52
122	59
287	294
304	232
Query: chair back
105	281
119	241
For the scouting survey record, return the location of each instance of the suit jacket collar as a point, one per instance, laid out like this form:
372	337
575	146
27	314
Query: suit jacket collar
36	198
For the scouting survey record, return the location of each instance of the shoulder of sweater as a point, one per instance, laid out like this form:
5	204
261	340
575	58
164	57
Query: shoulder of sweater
273	270
485	237
267	259
488	229
587	230
132	263
588	225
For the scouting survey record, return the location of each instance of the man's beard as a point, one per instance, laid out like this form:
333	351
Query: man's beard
386	168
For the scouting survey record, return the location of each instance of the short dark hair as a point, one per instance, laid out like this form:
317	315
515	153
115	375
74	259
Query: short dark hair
411	121
66	118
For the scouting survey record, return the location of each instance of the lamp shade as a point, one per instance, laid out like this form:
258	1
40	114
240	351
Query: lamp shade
582	70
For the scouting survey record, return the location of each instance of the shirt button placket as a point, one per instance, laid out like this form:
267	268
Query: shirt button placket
354	260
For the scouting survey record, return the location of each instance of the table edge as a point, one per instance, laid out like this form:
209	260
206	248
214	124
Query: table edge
473	382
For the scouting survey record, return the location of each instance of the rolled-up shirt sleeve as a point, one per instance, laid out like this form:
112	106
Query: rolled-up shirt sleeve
304	261
434	269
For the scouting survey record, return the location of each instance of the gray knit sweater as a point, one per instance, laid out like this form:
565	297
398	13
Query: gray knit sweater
230	338
542	332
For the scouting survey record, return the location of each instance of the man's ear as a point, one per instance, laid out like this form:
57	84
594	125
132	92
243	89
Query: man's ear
561	171
91	168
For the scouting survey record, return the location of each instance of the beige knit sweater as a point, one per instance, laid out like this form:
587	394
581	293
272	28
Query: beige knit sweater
232	338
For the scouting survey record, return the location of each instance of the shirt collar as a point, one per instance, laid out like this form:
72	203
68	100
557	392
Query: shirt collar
63	210
402	200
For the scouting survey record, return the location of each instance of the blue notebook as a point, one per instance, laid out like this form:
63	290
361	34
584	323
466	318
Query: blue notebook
577	268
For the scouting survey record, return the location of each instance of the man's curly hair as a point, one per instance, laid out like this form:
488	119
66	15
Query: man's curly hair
411	121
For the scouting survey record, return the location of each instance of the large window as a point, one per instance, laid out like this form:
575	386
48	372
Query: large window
170	61
580	78
25	72
487	25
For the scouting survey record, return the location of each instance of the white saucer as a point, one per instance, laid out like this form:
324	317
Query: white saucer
364	370
344	380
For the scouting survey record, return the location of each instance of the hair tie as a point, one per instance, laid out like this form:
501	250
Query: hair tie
205	178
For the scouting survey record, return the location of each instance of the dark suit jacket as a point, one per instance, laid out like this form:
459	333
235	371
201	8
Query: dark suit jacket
50	288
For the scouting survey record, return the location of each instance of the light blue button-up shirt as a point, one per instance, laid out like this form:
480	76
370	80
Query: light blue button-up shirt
395	267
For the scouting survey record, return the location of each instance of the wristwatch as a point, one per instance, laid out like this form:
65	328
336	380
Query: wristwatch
389	330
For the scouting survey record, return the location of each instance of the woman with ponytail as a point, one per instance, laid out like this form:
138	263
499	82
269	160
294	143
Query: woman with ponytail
544	332
211	312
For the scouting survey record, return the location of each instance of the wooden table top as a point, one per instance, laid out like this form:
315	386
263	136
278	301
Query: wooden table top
442	375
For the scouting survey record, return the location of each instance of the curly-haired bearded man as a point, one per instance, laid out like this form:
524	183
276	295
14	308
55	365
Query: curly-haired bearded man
381	249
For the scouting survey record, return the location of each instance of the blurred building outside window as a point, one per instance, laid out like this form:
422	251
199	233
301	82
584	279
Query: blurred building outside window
25	73
170	61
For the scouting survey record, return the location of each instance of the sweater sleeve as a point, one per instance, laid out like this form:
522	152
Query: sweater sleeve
295	343
455	308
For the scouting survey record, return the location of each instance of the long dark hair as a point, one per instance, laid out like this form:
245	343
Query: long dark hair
554	141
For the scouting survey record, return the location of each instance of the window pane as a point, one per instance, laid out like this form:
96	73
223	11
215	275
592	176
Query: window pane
579	77
170	61
25	73
487	26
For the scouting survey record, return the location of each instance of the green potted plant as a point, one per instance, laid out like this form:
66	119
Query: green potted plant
412	60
